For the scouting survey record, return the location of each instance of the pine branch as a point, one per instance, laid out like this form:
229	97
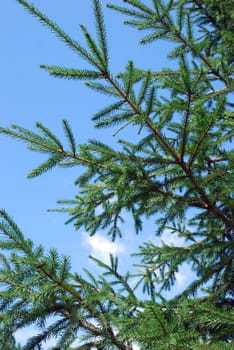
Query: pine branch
70	136
140	5
185	127
180	161
96	52
61	34
46	268
101	31
71	73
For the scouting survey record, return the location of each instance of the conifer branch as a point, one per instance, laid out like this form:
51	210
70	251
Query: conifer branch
203	9
209	205
70	73
61	34
101	31
185	127
169	30
178	172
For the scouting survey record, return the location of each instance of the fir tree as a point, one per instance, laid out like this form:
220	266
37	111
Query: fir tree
180	164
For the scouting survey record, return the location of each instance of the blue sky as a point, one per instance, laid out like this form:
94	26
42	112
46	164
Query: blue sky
29	94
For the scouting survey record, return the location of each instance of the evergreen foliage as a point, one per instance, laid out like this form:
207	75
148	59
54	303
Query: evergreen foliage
179	171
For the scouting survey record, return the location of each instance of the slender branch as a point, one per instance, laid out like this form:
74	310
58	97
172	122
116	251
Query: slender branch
192	202
198	53
115	341
185	131
198	145
199	4
159	321
59	283
137	158
83	323
91	328
210	205
159	136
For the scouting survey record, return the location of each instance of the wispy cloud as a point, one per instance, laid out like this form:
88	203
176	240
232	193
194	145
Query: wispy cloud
101	247
23	335
172	238
183	277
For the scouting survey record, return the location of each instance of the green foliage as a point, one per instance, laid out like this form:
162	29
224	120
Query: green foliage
179	171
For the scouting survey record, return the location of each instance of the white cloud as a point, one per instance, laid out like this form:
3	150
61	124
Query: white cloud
23	335
182	279
101	247
172	238
184	276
